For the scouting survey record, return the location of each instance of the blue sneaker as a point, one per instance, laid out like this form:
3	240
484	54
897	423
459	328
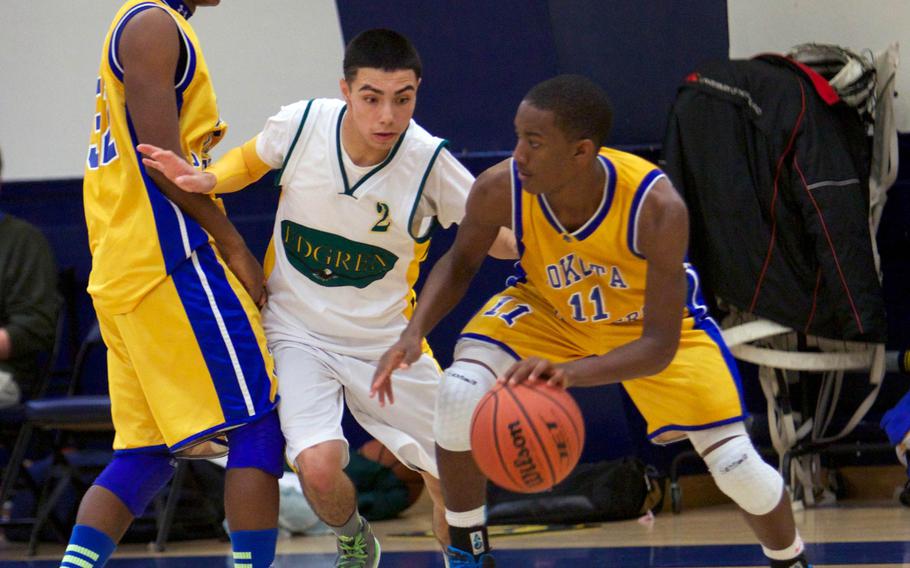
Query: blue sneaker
460	559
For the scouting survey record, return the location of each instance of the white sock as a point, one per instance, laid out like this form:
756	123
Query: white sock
467	519
788	553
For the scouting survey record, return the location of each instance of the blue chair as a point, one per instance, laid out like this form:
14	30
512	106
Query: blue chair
68	417
60	415
14	421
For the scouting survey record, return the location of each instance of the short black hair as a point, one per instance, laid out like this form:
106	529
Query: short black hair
380	49
581	108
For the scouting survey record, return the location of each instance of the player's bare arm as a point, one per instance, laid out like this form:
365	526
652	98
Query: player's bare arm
489	208
663	239
149	53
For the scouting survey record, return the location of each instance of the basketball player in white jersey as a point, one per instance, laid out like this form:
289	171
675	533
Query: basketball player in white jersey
363	188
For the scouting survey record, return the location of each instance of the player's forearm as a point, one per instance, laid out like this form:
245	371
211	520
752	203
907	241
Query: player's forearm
204	211
238	168
643	357
445	287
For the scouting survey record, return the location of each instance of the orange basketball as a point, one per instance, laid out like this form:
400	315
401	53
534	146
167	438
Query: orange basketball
527	438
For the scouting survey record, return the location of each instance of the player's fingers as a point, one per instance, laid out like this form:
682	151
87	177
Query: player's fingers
540	370
376	386
520	372
504	378
379	378
385	393
387	364
165	158
558	378
382	377
150	163
148	149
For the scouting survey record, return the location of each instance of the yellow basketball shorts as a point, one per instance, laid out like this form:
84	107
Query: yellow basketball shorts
190	362
700	388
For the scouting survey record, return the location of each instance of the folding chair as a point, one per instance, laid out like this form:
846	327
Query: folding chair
73	414
14	418
799	437
64	414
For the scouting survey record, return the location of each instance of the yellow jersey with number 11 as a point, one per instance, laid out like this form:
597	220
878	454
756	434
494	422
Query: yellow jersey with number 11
582	293
594	276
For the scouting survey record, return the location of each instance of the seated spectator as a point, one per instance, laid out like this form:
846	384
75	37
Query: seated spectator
28	304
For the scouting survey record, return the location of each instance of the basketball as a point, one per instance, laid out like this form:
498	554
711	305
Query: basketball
528	437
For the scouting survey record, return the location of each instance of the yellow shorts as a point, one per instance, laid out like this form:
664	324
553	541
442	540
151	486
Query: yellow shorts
190	362
700	388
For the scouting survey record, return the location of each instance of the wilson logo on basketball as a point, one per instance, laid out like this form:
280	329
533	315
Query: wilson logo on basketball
527	468
527	437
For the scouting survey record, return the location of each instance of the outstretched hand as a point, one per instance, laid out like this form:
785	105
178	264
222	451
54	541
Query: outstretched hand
535	369
176	169
399	356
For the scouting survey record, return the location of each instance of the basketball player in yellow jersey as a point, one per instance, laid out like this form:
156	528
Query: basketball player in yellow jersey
176	292
600	296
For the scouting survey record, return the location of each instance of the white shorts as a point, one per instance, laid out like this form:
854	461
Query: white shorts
315	384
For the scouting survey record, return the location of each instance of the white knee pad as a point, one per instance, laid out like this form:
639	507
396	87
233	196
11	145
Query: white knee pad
744	476
463	385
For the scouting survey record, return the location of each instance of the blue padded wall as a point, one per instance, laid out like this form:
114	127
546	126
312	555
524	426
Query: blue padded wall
480	58
639	52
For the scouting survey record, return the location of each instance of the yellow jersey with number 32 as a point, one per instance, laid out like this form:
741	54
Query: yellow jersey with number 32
136	235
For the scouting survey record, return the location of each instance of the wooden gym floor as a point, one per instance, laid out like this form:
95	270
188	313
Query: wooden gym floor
867	532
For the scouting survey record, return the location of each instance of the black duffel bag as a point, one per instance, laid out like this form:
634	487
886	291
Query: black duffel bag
614	490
